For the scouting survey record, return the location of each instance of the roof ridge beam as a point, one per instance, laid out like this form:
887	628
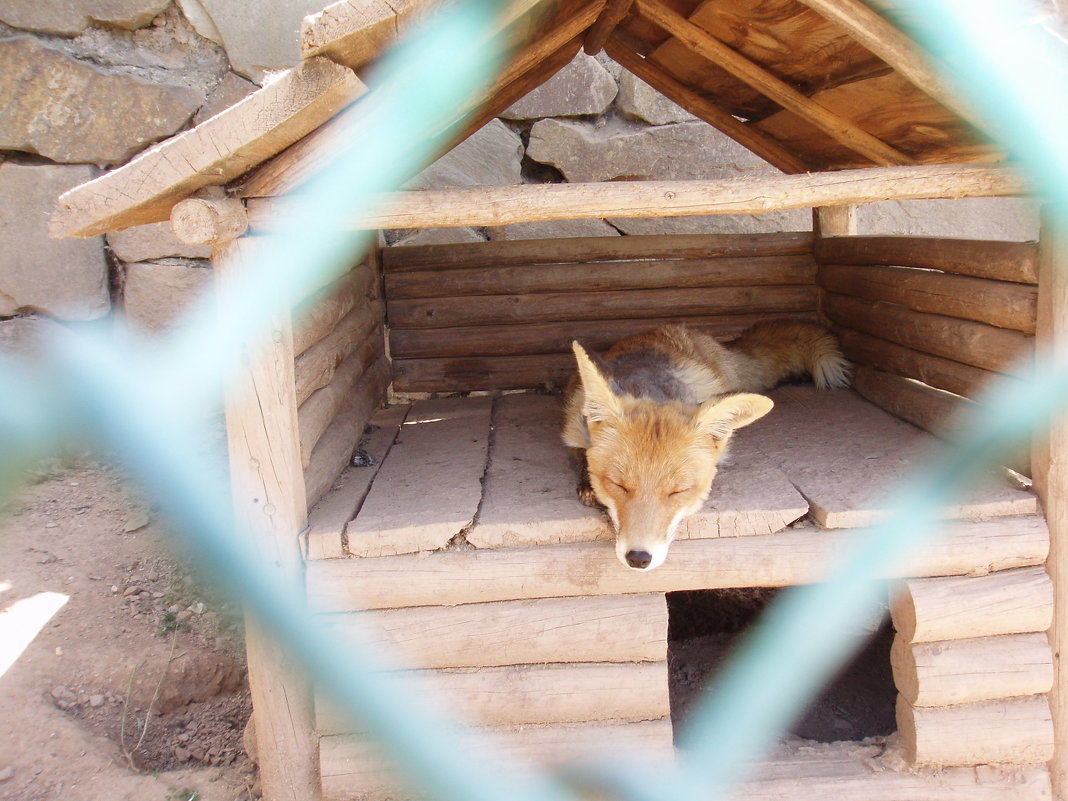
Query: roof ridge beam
844	131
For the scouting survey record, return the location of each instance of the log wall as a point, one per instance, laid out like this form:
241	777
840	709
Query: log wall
929	321
502	315
341	372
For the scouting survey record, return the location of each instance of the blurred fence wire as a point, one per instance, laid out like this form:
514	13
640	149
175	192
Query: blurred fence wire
144	400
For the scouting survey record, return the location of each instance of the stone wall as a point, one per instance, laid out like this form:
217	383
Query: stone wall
85	85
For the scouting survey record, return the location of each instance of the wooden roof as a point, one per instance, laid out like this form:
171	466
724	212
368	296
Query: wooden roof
809	85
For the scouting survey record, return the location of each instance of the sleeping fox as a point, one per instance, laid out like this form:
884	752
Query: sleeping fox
651	420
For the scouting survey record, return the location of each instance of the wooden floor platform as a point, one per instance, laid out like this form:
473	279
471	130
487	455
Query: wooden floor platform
492	473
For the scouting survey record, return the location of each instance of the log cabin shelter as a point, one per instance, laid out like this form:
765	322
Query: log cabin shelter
511	595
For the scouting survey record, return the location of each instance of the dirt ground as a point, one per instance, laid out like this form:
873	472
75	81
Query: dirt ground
136	687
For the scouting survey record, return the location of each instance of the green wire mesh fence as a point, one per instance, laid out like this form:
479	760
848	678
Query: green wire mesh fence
144	401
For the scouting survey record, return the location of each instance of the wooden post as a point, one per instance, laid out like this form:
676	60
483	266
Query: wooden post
828	221
268	496
1050	465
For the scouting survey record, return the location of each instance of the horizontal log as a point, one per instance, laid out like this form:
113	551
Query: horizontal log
1014	731
353	768
999	303
498	309
960	379
328	518
795	556
603	276
468	374
504	205
315	415
607	628
977	669
1001	261
932	410
941	413
960	340
320	314
959	607
337	443
513	695
315	367
542	338
579	249
209	218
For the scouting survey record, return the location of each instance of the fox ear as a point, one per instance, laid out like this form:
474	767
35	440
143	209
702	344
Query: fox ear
719	418
599	402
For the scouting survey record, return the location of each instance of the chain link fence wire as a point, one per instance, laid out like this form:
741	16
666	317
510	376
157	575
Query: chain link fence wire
145	401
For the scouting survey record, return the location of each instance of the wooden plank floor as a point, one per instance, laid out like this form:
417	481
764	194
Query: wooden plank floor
496	474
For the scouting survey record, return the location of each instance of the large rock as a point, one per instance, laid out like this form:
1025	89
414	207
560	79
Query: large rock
74	16
489	157
639	100
582	87
625	151
969	218
72	111
158	294
66	279
258	38
153	241
552	229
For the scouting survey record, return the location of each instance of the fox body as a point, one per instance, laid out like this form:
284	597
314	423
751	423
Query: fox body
652	418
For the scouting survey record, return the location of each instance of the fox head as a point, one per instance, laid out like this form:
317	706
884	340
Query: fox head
652	464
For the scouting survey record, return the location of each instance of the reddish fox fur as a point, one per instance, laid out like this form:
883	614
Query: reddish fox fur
653	418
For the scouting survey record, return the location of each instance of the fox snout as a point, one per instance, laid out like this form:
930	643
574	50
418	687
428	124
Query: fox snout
645	529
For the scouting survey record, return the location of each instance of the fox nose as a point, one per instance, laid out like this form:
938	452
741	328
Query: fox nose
639	559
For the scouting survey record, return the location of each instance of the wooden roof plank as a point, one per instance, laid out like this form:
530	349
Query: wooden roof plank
894	47
502	205
839	128
761	144
214	152
527	70
355	32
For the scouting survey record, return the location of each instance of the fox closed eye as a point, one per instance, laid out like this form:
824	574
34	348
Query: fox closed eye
620	487
681	491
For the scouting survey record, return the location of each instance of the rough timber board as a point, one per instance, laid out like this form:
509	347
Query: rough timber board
795	556
614	628
516	695
530	486
218	150
430	484
328	518
353	769
846	456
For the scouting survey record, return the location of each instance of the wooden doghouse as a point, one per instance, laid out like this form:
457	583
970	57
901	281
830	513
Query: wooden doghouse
464	532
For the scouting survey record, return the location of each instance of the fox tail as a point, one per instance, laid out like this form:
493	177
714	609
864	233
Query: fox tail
793	349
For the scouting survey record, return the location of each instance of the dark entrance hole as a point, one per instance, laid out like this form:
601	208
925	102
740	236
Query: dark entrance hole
703	627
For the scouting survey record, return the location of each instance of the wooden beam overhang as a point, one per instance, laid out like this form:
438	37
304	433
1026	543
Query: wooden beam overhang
529	68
